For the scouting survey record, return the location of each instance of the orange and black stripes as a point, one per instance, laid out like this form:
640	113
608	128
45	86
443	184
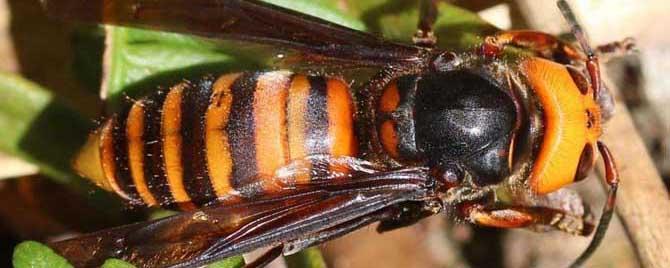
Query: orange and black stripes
136	150
271	140
340	108
299	91
122	171
387	129
395	123
194	105
224	139
316	127
219	160
107	157
241	131
316	118
152	139
172	143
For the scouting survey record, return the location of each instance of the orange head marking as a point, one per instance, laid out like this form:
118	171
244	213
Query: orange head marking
572	125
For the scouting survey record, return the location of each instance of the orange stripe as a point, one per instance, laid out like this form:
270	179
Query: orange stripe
134	132
297	108
171	132
219	161
107	156
270	120
389	138
390	98
340	119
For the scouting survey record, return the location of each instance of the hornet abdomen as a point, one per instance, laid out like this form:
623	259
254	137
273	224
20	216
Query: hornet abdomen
214	139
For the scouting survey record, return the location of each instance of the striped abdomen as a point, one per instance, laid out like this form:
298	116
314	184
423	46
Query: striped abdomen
205	141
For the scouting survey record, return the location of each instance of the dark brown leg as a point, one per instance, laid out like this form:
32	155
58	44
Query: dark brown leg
616	49
592	65
266	258
612	179
548	46
424	35
611	172
517	217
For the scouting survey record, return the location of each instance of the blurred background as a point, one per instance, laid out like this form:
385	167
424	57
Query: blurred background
44	51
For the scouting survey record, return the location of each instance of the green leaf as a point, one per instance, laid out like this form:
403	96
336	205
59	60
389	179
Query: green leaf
142	60
88	46
308	258
38	128
232	262
31	254
116	263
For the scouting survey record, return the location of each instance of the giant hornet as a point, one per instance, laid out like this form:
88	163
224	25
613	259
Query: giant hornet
288	160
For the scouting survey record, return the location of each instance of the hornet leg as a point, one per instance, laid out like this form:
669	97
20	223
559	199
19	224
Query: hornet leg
616	49
516	217
612	180
424	35
543	44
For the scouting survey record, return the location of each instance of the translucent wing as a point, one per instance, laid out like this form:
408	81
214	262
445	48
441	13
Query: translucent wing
200	237
319	41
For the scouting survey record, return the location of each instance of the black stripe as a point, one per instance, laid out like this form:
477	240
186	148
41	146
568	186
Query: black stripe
121	162
154	163
195	100
316	123
241	133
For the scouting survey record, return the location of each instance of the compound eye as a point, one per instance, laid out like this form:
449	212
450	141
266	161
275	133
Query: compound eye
580	80
586	161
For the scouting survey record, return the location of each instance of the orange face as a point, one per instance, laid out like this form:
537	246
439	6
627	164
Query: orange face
572	125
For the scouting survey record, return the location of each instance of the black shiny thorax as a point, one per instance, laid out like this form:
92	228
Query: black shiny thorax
455	120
